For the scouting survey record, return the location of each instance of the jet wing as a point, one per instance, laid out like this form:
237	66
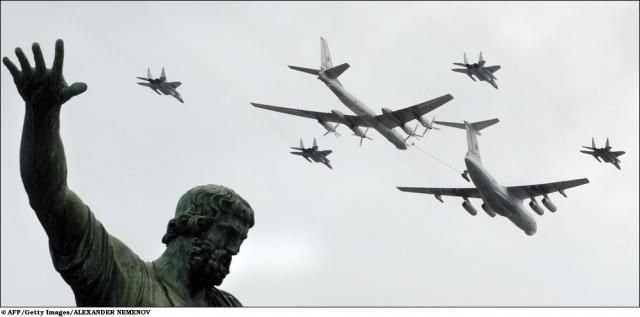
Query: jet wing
492	69
460	192
528	191
407	114
464	71
324	116
174	84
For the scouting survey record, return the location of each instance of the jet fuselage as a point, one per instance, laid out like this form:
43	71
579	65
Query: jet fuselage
315	155
496	197
606	155
483	75
359	108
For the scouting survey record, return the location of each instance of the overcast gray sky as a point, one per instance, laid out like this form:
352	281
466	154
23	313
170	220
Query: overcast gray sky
342	237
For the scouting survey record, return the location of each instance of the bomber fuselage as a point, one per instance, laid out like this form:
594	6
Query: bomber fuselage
359	108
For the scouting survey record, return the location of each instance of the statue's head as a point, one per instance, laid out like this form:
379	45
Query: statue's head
215	220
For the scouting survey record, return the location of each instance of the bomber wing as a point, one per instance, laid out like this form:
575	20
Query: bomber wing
414	112
528	191
348	120
437	192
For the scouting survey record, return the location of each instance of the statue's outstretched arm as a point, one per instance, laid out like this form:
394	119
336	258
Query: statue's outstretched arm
42	161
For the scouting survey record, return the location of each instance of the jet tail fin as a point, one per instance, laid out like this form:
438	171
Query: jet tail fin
148	73
334	72
473	130
481	60
163	77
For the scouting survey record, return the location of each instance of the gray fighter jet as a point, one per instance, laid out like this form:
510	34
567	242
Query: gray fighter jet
365	117
313	153
479	70
604	153
160	85
504	201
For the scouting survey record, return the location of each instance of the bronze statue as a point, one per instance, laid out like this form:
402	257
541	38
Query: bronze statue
210	222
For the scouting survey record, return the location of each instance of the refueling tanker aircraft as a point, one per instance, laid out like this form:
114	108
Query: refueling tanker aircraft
604	153
313	153
365	117
478	69
161	84
504	201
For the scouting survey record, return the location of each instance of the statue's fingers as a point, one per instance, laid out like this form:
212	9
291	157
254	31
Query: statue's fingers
59	57
37	56
24	62
12	68
73	90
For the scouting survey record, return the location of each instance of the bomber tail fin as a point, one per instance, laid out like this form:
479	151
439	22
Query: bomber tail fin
306	70
326	65
325	55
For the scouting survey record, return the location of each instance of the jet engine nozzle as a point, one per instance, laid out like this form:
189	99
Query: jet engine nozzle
469	208
489	212
534	205
546	201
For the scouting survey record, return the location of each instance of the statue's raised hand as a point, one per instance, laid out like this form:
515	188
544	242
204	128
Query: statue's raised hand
42	88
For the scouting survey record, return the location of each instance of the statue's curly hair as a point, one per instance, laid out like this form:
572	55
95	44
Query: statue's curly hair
198	208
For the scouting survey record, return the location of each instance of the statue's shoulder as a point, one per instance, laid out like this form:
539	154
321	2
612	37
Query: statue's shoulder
220	298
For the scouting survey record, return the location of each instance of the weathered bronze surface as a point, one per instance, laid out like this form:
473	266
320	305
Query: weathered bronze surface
210	223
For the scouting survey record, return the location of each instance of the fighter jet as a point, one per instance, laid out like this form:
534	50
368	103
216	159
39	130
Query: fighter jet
479	70
504	201
604	153
160	85
313	153
365	117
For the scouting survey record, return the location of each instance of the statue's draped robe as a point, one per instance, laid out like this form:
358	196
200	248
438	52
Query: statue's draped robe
103	271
